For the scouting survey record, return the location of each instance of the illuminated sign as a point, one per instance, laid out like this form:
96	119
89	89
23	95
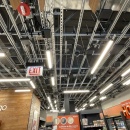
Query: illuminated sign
3	107
126	108
34	71
24	9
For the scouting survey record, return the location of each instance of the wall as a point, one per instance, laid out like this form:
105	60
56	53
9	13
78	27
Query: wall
35	106
20	110
112	107
117	100
15	117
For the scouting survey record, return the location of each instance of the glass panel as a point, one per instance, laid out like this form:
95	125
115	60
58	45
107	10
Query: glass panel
120	124
111	125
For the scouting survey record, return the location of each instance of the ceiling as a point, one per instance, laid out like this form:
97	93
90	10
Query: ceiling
77	39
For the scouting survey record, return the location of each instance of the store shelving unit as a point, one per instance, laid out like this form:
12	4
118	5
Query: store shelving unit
90	116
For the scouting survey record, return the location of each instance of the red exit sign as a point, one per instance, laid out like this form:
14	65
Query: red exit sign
34	71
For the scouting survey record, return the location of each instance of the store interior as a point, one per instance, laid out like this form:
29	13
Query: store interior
64	64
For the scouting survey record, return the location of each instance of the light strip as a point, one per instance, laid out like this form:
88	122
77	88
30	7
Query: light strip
91	105
85	105
32	84
126	72
54	110
92	99
109	44
105	89
15	80
53	81
76	91
49	100
55	101
127	82
102	98
2	54
49	59
62	110
23	90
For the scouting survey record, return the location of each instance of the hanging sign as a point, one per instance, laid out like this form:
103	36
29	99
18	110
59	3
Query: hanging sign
68	122
34	71
126	108
24	9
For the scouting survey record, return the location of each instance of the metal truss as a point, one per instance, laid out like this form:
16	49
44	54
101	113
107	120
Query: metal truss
116	57
61	37
111	28
76	38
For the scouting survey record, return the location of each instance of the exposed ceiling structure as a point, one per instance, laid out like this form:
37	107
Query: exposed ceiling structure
78	37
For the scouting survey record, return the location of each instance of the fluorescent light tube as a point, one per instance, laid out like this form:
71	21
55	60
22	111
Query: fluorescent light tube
105	89
62	110
92	99
54	110
49	100
49	59
83	108
2	54
15	80
127	82
23	90
53	81
109	44
76	91
91	105
85	105
32	84
102	98
126	72
55	101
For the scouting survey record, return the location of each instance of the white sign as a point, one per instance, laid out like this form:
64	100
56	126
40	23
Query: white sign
34	71
3	108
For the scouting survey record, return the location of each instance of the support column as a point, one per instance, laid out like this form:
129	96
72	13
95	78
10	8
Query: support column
66	104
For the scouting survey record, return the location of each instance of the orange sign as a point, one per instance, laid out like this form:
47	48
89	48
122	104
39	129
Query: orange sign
68	122
126	108
49	119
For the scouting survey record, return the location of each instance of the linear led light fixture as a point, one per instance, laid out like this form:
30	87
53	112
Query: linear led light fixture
103	98
18	80
106	88
49	59
126	72
54	110
62	110
92	99
55	101
2	54
109	44
53	81
127	82
32	84
22	90
83	108
75	91
84	105
49	100
15	80
91	105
